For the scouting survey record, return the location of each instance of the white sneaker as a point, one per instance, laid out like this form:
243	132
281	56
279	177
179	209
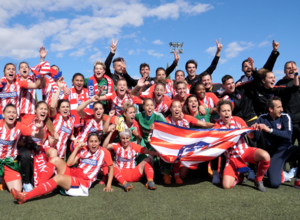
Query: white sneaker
286	177
27	187
251	175
216	177
292	172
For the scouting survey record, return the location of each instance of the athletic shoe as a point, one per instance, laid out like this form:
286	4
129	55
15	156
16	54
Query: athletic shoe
292	172
260	186
167	179
216	177
178	180
127	186
286	177
27	187
297	183
150	185
251	175
19	196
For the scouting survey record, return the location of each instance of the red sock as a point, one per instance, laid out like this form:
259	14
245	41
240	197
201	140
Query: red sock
47	173
118	175
262	168
176	168
149	171
42	189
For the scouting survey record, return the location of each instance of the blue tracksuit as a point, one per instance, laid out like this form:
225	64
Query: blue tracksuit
279	145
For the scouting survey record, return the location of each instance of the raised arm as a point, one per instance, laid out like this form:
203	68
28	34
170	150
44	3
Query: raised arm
170	69
40	133
43	54
113	48
215	61
38	83
54	100
269	65
106	143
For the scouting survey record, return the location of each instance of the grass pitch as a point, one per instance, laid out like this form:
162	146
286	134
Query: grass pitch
198	198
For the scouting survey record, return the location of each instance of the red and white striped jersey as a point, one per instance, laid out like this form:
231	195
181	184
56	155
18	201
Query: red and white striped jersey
210	100
238	149
9	139
64	128
117	103
90	125
11	94
90	164
163	106
126	158
185	122
169	90
50	90
27	97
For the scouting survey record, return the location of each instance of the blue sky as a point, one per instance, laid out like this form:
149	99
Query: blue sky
76	33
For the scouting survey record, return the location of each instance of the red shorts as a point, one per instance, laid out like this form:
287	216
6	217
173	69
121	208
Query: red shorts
131	175
10	174
76	180
248	156
26	119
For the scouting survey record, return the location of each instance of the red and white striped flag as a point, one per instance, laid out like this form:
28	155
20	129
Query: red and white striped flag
192	146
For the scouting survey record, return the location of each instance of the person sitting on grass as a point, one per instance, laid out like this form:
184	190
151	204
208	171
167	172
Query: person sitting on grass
241	152
125	169
75	181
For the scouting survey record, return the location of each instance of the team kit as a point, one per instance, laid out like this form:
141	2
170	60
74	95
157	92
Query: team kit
112	126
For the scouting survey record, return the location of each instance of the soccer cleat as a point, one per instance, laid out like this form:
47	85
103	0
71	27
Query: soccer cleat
127	186
178	180
167	179
216	177
19	196
251	175
27	187
297	183
260	186
150	185
292	172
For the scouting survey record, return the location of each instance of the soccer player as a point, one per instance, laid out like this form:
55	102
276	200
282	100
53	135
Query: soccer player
119	97
98	80
11	131
30	147
276	127
182	120
179	76
241	152
291	105
125	169
181	90
75	181
11	87
161	101
191	66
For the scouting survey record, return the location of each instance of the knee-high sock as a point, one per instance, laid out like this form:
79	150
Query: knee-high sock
149	171
176	168
262	168
118	175
42	189
47	173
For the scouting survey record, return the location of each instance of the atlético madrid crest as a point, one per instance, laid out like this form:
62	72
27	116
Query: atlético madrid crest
278	125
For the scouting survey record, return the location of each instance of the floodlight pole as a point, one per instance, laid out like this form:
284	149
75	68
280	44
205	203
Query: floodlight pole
176	47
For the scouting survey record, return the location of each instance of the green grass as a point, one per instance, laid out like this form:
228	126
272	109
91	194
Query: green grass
197	199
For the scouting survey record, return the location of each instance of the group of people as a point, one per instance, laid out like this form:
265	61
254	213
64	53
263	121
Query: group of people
103	124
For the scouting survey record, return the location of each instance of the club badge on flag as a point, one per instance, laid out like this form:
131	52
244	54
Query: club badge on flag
192	146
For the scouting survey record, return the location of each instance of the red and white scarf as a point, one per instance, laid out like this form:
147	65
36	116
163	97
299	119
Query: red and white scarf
110	84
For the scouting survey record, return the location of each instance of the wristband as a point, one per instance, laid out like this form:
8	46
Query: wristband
296	74
271	131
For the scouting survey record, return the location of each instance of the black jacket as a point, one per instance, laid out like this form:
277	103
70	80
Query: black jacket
290	101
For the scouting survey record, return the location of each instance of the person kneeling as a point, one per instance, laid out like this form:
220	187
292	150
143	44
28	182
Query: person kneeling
125	169
241	152
76	181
